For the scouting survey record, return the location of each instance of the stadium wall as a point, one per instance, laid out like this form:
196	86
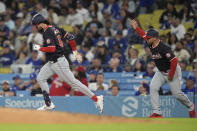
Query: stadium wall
130	106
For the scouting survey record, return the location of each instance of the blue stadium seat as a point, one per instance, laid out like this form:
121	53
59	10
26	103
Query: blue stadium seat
100	92
126	93
23	93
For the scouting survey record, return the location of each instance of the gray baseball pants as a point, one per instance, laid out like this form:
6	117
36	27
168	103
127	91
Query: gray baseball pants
175	86
61	68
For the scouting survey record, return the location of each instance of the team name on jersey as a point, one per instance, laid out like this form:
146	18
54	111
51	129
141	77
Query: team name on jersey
156	56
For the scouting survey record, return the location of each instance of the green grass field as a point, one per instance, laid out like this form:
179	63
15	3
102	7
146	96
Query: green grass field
166	124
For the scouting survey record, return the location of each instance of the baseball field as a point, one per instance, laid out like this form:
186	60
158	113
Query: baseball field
30	120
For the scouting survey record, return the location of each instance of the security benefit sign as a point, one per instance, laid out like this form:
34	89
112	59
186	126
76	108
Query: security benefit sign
140	106
130	107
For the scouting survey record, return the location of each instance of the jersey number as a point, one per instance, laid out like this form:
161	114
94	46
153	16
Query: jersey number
59	40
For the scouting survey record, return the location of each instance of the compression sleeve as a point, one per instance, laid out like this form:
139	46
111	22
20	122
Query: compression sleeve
49	49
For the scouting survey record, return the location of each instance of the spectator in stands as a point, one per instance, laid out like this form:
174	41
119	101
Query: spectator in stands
6	55
139	66
83	11
195	19
190	87
118	25
149	70
183	64
143	90
4	30
170	11
33	85
92	76
177	28
115	90
147	56
111	7
114	65
21	58
94	12
95	30
59	87
88	39
34	60
185	46
147	6
23	47
62	16
113	82
18	85
81	76
37	38
99	4
55	5
117	42
102	52
129	6
94	21
108	26
190	42
2	7
79	34
132	57
99	84
185	13
119	55
9	22
6	89
172	39
74	18
96	65
52	15
180	53
41	10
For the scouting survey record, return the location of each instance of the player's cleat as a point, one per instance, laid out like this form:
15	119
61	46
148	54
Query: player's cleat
45	107
154	115
192	114
99	104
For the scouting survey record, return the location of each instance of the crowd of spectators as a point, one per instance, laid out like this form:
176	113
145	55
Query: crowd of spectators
104	37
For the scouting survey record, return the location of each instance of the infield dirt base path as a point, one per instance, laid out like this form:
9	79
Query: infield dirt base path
11	115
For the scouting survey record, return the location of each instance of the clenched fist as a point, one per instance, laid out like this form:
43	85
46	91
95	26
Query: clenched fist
134	24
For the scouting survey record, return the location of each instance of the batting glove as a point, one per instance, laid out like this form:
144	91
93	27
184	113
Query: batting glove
77	56
36	47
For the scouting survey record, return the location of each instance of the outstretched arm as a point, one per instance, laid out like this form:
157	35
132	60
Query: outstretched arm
135	26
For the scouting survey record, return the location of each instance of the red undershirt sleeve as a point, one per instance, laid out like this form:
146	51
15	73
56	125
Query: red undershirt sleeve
141	33
49	49
72	44
173	64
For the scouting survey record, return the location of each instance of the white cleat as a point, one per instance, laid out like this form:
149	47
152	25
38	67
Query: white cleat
45	107
99	104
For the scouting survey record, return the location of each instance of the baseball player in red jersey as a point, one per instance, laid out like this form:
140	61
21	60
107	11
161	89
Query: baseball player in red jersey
59	87
56	61
168	71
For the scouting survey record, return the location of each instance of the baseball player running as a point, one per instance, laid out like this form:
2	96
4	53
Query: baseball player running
56	61
168	71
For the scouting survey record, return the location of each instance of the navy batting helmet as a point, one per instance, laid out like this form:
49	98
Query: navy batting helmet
152	33
37	19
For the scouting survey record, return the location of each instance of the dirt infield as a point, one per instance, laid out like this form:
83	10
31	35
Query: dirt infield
10	115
